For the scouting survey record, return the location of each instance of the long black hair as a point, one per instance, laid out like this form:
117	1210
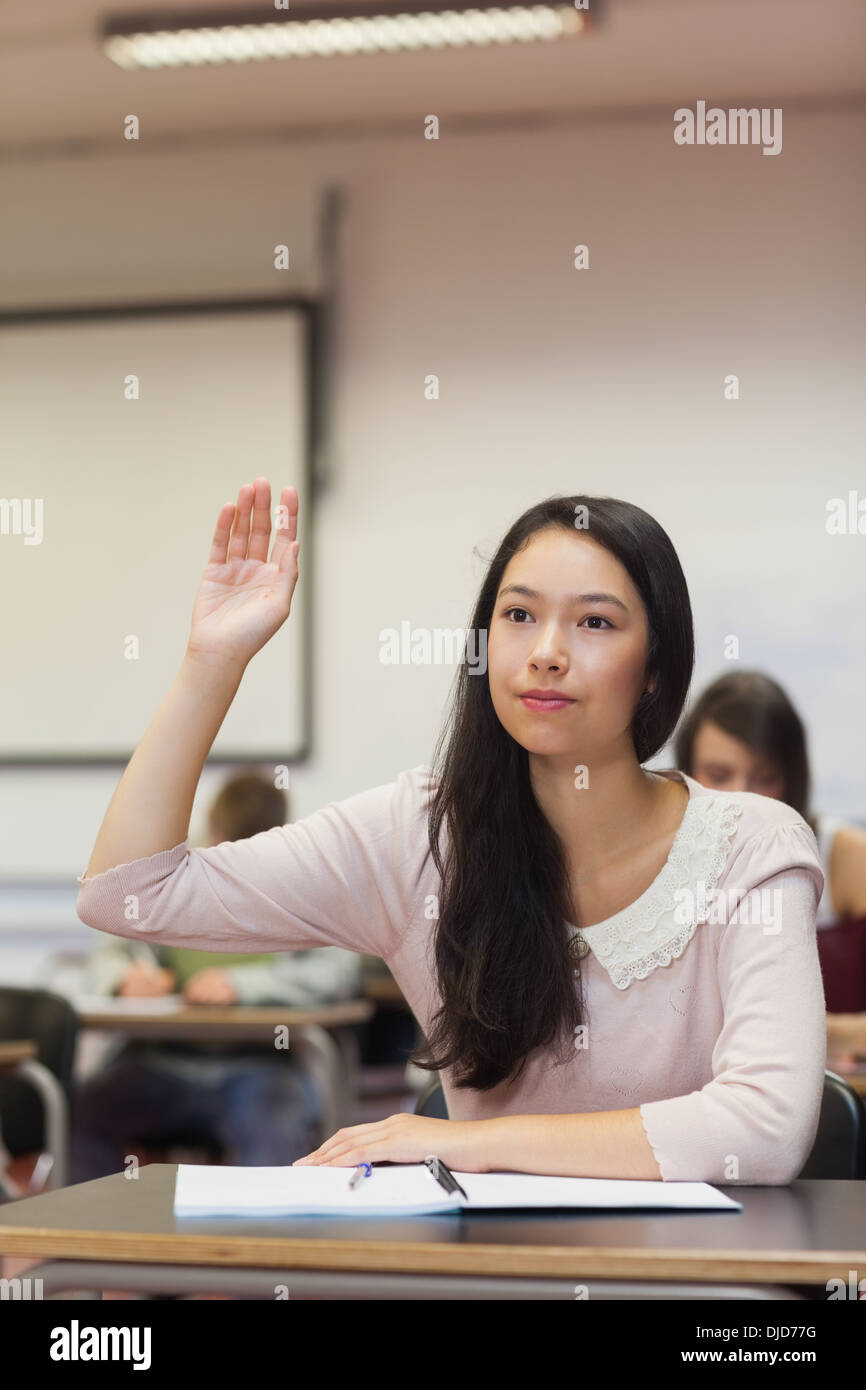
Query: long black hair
754	708
505	975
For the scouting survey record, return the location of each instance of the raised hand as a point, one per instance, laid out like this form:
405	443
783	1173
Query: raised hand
244	597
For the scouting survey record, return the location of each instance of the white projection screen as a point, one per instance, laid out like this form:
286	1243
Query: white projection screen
129	491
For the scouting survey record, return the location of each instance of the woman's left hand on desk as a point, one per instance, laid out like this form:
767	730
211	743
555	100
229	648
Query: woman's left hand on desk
461	1144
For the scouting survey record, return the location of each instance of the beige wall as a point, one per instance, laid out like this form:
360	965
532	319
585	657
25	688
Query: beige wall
457	260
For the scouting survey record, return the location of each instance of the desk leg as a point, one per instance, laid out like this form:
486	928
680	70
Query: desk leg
347	1041
322	1057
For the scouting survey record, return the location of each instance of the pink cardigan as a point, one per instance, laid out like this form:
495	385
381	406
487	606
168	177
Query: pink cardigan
705	1000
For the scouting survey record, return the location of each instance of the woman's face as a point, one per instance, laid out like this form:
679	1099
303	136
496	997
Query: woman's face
550	629
724	762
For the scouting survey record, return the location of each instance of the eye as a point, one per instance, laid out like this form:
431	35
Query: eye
600	619
590	616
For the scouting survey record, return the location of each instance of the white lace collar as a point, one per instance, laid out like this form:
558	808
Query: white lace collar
650	931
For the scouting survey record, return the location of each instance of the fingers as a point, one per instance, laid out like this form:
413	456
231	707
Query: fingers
353	1139
234	539
350	1158
219	545
241	529
261	531
285	550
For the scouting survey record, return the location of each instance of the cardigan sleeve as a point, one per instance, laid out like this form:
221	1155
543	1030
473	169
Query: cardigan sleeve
343	876
756	1121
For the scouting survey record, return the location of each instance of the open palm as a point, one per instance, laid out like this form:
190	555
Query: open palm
243	597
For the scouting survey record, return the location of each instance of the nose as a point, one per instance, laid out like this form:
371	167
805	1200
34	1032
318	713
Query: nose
543	663
548	650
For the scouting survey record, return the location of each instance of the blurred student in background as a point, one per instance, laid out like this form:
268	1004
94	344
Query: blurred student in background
258	1105
744	734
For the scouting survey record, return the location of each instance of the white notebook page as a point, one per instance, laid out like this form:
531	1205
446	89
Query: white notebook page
407	1189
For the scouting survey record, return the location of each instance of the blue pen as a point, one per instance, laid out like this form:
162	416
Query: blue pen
363	1170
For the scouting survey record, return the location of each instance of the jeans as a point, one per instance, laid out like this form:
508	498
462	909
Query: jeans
262	1111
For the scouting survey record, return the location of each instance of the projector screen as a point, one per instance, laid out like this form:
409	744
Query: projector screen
124	434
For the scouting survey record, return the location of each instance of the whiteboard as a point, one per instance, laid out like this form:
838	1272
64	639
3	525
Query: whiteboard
108	510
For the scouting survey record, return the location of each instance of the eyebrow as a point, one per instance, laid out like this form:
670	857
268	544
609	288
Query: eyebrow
573	598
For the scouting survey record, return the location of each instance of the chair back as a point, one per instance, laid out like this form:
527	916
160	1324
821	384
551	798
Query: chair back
431	1101
50	1021
839	1150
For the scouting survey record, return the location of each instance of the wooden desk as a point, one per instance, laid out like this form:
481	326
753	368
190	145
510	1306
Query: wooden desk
11	1053
122	1233
215	1021
333	1063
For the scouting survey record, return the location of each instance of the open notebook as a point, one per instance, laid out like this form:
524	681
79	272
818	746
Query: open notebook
411	1190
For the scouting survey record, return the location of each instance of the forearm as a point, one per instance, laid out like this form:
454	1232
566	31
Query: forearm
152	804
600	1144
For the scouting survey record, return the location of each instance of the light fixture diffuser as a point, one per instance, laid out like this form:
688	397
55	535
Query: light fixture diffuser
171	40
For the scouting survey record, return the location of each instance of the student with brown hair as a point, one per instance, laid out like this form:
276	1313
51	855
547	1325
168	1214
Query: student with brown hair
744	734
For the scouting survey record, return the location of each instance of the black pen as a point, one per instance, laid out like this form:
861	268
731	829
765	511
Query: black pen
444	1176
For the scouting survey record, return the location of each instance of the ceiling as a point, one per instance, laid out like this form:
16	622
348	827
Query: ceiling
60	96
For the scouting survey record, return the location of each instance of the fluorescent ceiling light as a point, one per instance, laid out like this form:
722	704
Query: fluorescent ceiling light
171	41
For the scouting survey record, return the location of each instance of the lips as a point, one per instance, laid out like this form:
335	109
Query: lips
545	700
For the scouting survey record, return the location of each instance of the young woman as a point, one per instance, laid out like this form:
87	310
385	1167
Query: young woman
744	734
602	985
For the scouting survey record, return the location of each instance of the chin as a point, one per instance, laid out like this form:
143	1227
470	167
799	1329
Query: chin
551	747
